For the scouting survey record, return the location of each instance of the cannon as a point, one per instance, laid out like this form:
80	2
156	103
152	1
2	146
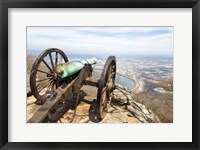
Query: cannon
56	82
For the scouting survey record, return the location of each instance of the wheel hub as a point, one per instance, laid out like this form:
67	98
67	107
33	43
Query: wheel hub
110	86
55	77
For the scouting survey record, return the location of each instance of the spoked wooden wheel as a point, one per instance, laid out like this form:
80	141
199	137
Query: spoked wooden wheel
106	87
43	79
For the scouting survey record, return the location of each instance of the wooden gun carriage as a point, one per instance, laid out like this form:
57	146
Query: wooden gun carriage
54	81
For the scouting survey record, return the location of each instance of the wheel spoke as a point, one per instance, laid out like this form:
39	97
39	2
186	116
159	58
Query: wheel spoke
104	89
52	89
44	72
108	96
44	79
61	59
106	79
44	86
50	56
47	65
56	61
109	73
104	100
111	76
48	89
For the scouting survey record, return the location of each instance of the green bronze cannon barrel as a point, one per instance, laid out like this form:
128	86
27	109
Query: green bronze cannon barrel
70	68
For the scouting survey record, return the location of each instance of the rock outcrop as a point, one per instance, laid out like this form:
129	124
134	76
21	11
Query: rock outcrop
124	98
123	109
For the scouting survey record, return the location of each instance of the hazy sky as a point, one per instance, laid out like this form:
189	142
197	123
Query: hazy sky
103	40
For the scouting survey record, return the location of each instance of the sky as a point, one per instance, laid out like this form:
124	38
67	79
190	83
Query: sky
103	40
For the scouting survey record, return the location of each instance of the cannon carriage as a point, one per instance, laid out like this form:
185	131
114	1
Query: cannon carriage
55	82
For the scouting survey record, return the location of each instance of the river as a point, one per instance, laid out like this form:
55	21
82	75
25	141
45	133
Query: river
120	79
